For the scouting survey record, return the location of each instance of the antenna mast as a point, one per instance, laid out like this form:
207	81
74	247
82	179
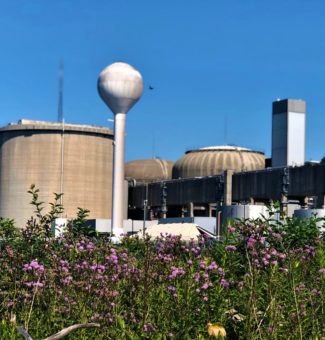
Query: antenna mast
61	83
61	120
226	130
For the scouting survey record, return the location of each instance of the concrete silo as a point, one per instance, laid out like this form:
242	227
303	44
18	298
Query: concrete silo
68	158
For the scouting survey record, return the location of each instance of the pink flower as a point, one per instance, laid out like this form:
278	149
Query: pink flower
231	229
205	286
202	265
224	283
212	266
230	248
90	247
251	242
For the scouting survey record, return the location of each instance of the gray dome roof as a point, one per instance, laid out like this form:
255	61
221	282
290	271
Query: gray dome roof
214	160
149	170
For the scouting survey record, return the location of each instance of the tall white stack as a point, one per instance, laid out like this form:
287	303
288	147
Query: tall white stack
288	132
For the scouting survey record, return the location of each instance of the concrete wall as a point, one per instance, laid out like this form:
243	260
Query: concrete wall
30	153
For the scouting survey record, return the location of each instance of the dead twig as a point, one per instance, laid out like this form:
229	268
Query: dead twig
61	334
66	331
24	333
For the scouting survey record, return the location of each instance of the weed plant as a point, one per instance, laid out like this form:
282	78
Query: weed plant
264	280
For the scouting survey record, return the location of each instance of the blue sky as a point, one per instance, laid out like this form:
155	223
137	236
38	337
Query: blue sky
210	61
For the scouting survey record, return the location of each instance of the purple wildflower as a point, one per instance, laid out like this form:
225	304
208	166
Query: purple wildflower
148	328
205	286
251	242
230	248
224	283
231	229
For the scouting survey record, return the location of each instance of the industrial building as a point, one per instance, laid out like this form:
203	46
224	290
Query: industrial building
68	158
288	133
226	181
204	185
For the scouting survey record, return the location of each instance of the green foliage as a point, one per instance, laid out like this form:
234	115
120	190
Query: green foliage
79	226
41	227
265	280
301	231
8	229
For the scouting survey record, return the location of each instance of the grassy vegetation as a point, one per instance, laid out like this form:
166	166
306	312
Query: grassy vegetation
265	280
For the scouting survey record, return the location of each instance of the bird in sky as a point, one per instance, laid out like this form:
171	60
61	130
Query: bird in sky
151	87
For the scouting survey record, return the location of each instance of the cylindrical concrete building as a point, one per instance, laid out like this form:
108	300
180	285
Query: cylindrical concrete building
214	160
68	158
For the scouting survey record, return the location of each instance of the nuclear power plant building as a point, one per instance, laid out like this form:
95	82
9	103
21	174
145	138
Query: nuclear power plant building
214	182
68	158
219	179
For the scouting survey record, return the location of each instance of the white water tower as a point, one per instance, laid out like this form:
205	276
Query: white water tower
120	86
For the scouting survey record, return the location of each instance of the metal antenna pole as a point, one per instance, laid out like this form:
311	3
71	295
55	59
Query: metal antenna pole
153	145
61	83
226	130
145	206
61	120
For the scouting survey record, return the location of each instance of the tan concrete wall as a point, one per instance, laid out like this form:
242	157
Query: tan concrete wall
33	156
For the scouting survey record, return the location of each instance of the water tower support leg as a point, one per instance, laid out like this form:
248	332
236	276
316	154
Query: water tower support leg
118	171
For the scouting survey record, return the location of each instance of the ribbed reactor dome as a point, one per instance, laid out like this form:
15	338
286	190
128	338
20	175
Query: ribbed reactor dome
149	170
214	160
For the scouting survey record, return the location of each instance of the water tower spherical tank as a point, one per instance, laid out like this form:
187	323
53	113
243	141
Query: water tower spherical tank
120	86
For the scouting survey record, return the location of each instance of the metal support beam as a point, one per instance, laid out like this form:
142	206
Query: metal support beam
228	187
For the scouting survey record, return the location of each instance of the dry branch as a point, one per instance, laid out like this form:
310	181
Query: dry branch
61	334
66	331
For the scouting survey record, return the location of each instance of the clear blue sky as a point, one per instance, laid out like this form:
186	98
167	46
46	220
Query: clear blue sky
207	59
